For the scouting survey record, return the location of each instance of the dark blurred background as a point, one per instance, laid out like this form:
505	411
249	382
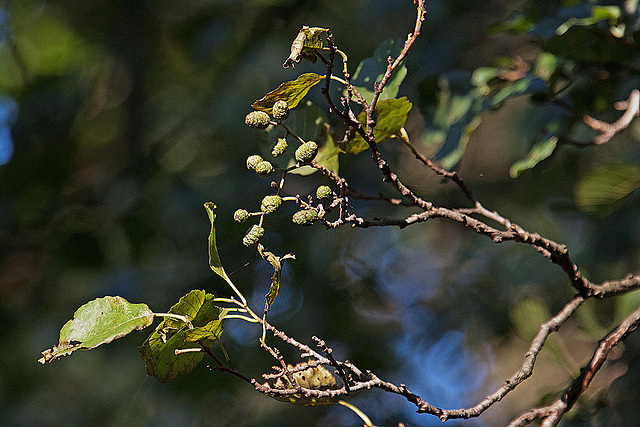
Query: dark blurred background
120	118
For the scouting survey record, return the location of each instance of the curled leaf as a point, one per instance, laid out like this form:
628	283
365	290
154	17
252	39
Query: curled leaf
303	46
276	263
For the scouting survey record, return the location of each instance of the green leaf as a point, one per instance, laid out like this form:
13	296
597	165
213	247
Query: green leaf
207	311
527	84
307	122
158	351
453	105
214	256
292	91
538	153
371	70
161	360
99	322
210	331
304	45
602	191
392	115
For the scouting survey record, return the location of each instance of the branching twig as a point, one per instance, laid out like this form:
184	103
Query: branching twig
609	130
474	217
368	379
329	352
553	413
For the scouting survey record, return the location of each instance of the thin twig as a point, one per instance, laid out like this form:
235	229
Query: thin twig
553	413
609	130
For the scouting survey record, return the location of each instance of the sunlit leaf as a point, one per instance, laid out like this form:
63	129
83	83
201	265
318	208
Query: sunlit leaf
538	153
210	331
372	69
214	256
158	351
99	322
392	115
601	191
292	91
303	46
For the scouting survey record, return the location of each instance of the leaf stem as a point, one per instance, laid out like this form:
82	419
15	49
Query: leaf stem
184	319
367	420
339	80
246	319
178	351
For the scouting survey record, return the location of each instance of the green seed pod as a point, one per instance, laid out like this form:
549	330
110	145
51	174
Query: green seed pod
270	204
241	215
257	119
264	169
252	237
252	162
306	152
279	147
280	110
305	217
324	192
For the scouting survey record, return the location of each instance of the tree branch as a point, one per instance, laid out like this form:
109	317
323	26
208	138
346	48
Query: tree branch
553	413
609	130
